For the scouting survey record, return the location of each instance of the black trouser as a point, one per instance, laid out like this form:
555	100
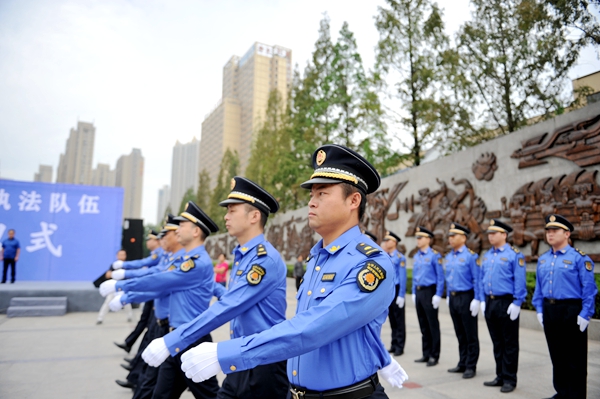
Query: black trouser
397	322
268	381
568	347
13	268
428	321
149	374
137	364
171	381
505	337
141	325
298	281
465	327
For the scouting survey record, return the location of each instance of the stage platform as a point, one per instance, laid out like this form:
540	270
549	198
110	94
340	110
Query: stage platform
82	296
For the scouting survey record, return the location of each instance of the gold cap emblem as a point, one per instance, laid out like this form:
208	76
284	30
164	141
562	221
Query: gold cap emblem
552	218
418	229
452	226
186	206
232	183
493	222
321	157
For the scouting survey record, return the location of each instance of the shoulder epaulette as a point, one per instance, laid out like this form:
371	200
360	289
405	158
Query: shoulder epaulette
515	249
367	249
261	250
194	257
434	251
580	252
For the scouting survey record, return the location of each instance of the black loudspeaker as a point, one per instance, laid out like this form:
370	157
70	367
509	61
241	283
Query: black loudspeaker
133	238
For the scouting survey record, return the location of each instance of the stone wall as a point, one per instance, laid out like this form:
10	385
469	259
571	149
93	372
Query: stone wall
550	167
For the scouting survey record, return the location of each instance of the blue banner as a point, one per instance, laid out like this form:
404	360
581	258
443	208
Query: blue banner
66	232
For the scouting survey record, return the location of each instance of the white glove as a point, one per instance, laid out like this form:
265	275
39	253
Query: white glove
201	363
118	274
108	287
513	311
394	374
482	306
583	323
400	302
414	298
540	317
474	307
116	265
115	304
435	301
156	352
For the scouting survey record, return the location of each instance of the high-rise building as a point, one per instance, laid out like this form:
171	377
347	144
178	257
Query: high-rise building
44	174
184	171
164	197
129	174
103	176
247	82
75	165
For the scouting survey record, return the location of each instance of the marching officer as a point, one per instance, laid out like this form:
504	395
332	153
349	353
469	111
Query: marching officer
156	253
396	309
463	282
333	343
254	302
427	290
190	283
564	297
503	285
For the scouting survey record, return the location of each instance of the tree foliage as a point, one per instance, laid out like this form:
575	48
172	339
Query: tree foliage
188	196
203	193
230	164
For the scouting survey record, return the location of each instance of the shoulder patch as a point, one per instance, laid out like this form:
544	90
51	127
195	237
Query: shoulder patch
367	249
328	277
154	256
403	264
187	265
580	252
255	274
521	262
588	266
370	276
261	250
515	249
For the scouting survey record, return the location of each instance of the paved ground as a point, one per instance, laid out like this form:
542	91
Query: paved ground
72	357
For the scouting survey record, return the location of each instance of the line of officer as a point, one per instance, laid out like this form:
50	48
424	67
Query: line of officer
564	297
396	309
503	285
333	343
463	283
190	282
427	290
255	300
156	252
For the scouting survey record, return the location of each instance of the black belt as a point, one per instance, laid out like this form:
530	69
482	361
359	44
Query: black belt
572	301
359	390
456	293
506	296
162	322
424	287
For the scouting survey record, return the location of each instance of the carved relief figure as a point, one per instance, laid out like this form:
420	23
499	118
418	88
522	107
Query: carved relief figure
485	166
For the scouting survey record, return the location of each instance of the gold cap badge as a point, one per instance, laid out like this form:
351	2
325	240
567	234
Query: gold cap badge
232	183
492	222
321	157
452	226
552	218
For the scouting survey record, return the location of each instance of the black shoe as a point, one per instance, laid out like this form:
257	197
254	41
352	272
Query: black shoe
126	367
506	388
125	384
128	360
398	352
392	350
469	373
457	369
496	383
422	360
123	346
432	362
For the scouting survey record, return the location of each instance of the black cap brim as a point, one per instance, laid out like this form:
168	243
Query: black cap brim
320	180
228	201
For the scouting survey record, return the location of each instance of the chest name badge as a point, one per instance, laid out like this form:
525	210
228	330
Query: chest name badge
255	275
187	265
328	277
542	260
568	262
504	259
462	260
370	276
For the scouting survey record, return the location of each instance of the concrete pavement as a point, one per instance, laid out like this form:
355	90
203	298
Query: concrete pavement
71	357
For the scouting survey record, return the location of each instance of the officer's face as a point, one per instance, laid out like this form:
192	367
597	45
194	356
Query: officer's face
423	242
557	237
185	233
328	209
238	218
388	245
170	241
121	255
457	240
497	238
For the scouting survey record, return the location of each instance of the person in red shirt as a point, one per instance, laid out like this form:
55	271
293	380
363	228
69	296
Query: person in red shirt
221	270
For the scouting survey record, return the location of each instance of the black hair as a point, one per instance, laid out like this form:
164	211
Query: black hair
348	190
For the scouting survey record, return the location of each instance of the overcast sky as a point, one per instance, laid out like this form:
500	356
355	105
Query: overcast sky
147	72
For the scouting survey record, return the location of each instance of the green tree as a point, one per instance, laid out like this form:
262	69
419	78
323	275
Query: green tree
203	194
579	16
411	42
230	164
188	196
517	56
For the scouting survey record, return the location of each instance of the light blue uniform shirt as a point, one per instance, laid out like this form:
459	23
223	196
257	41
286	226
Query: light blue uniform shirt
148	261
334	339
428	270
462	271
503	273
